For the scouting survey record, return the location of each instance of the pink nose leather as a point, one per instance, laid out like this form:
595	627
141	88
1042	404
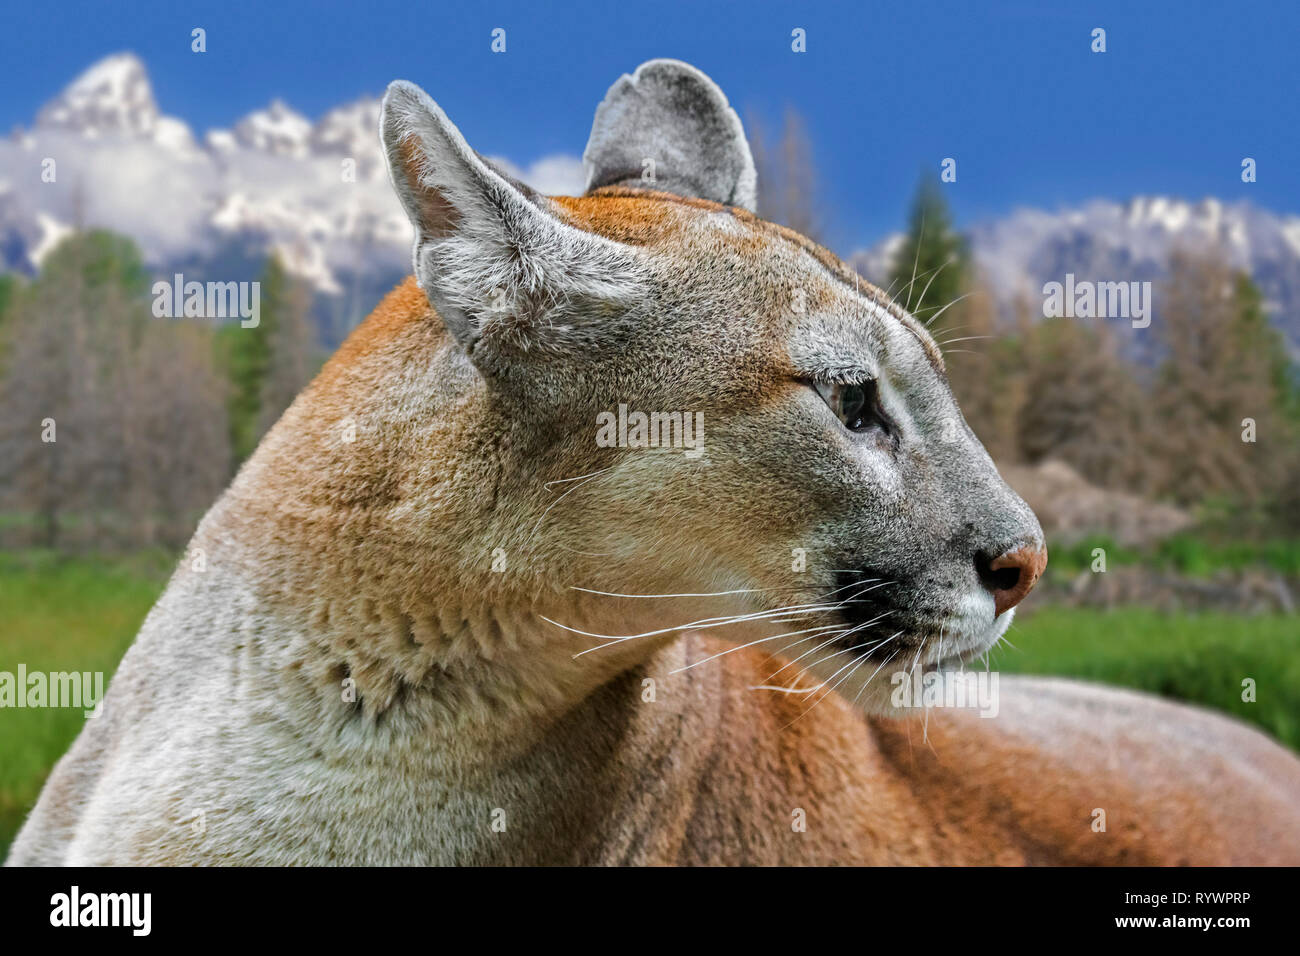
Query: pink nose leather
1030	562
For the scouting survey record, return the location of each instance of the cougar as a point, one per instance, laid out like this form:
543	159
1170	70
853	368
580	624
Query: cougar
441	618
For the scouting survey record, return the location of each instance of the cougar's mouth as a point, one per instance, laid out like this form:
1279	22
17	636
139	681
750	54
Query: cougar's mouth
951	646
955	650
937	637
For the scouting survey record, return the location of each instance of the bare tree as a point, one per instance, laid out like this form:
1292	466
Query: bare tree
787	176
293	358
115	421
1083	405
985	371
181	449
1223	365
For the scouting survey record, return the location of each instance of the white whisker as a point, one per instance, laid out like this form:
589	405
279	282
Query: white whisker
589	477
934	318
761	640
875	672
835	637
690	626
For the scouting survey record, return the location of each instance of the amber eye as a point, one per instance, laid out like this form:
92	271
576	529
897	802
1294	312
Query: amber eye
854	405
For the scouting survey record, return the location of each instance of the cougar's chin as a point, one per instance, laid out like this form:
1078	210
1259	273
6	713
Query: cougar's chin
904	669
961	644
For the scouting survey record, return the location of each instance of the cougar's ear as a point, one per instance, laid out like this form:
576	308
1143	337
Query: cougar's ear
668	127
498	265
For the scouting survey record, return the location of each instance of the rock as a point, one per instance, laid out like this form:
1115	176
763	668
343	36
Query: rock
1071	508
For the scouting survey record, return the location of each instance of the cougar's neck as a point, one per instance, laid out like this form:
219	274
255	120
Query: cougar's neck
376	534
356	631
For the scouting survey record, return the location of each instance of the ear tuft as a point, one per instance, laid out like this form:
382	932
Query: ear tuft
669	127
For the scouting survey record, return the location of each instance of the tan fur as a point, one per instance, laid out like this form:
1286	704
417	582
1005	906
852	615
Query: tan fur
332	562
723	787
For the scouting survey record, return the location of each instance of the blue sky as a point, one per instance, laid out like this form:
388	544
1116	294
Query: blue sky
1010	89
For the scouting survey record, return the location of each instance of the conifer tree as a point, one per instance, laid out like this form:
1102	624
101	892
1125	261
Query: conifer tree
930	269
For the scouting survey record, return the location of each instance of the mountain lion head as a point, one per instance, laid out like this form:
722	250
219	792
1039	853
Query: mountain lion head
665	395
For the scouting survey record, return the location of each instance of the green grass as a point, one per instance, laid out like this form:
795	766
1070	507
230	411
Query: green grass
1202	658
60	615
82	614
1192	553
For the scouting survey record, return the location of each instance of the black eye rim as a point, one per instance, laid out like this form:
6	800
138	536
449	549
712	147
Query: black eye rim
866	417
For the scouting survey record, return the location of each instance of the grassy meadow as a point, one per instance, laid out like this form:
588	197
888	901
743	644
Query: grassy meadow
1199	658
60	614
82	614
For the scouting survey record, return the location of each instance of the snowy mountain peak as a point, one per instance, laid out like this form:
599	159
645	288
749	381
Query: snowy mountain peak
348	130
1105	240
279	129
318	194
114	96
1174	215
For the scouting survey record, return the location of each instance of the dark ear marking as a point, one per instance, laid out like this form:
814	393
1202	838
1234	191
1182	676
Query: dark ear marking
437	216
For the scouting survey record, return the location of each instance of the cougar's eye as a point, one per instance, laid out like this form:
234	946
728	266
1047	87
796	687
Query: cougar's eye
854	405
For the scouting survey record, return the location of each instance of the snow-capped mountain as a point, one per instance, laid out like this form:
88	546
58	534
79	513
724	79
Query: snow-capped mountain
103	154
1133	241
317	192
113	98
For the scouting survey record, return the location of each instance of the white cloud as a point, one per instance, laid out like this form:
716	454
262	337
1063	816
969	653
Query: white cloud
556	175
182	203
319	192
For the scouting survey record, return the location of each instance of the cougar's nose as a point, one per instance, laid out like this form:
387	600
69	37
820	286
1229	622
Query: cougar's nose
1012	575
